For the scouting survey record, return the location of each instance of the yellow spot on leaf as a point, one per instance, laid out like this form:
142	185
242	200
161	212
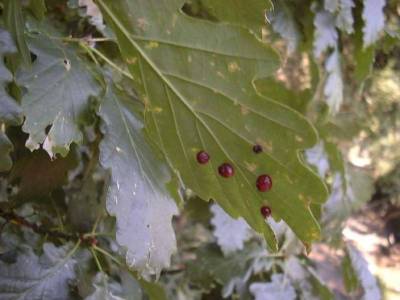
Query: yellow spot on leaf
250	166
131	60
157	109
189	59
244	110
299	138
220	74
152	45
233	67
142	23
212	64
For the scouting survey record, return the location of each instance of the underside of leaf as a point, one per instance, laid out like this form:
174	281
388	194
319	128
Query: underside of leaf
137	195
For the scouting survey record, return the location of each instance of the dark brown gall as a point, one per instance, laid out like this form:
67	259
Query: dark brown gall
226	170
202	157
264	183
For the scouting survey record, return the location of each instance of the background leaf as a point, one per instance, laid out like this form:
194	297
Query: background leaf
38	8
58	85
374	20
33	277
231	234
10	112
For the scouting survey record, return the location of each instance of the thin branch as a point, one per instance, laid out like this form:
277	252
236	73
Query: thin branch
15	219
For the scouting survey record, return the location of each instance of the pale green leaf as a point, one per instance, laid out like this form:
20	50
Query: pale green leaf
33	278
137	195
14	21
58	85
195	78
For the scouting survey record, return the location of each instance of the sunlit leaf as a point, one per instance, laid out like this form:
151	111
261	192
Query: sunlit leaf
195	78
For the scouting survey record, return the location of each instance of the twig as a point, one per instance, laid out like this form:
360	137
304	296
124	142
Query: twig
13	218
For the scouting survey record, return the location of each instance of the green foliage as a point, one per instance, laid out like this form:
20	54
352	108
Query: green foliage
101	121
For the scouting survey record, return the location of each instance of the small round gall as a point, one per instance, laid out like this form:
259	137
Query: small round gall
202	157
265	211
264	183
226	170
257	149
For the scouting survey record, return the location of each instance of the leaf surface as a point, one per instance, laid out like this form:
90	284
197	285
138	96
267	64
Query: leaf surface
195	78
58	85
33	277
137	195
247	13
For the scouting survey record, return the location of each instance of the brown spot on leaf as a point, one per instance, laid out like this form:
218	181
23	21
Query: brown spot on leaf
233	67
250	166
244	110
